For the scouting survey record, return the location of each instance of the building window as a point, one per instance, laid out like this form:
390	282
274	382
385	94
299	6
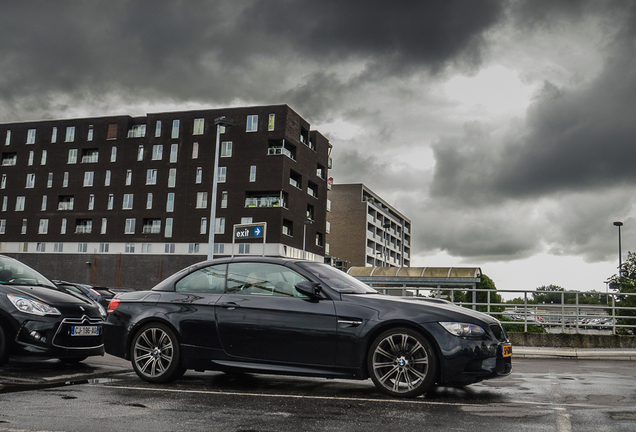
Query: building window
252	123
202	200
219	248
44	226
30	136
107	178
112	131
31	156
288	227
174	150
172	177
170	203
82	247
247	220
113	154
90	134
7	139
224	199
253	173
72	156
5	203
140	153
170	247
168	233
3	182
129	248
19	203
149	202
328	205
270	122
193	248
91	202
30	181
195	150
90	155
175	129
151	177
65	180
70	134
44	157
328	227
219	225
137	131
24	227
44	203
204	226
128	202
130	226
295	179
222	175
65	203
312	189
146	248
49	180
319	240
128	177
151	226
157	152
63	226
89	176
111	201
198	126
158	129
244	248
104	247
3	226
9	159
226	149
83	226
58	247
103	228
199	176
54	135
310	212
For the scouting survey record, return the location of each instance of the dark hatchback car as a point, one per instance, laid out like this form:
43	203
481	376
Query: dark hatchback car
38	319
101	295
294	317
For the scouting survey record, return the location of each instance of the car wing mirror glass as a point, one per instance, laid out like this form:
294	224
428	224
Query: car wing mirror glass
311	289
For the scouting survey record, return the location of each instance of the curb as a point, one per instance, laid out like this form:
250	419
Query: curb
574	353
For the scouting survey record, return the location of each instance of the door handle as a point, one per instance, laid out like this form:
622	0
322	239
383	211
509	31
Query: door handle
229	306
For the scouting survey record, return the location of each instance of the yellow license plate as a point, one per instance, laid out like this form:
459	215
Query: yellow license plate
506	350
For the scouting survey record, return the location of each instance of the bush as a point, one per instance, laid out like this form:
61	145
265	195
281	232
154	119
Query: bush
517	327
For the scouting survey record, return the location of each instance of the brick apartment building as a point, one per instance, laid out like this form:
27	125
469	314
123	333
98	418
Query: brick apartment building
125	201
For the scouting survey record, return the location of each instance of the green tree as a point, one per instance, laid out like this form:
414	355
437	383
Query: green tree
625	283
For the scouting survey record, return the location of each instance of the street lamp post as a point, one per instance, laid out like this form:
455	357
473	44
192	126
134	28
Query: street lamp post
620	254
221	121
307	222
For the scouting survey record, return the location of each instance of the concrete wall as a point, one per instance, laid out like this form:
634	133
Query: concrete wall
138	271
562	340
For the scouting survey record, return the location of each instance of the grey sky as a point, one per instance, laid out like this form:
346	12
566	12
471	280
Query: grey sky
503	129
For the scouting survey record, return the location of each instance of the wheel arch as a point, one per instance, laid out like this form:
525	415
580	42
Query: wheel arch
372	335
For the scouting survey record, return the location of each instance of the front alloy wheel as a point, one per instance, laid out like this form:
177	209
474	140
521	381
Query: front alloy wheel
155	354
402	363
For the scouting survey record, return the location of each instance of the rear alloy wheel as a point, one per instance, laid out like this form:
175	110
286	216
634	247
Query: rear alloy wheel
155	354
402	363
4	347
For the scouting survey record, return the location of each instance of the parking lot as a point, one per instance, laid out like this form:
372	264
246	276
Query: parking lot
104	394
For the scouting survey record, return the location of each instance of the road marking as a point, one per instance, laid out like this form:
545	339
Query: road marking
563	420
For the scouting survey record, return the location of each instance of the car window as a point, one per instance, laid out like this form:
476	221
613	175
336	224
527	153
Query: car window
16	273
209	279
337	279
263	279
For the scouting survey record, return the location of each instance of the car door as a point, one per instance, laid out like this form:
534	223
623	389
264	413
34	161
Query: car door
261	317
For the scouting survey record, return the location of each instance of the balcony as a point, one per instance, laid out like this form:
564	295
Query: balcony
272	151
65	205
9	161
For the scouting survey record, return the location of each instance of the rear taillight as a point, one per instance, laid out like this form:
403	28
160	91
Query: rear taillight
113	305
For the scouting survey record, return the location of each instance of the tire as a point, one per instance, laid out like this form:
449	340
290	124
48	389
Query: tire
155	354
4	347
402	363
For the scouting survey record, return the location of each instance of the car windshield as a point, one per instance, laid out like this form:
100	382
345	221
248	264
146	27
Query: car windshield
13	272
337	279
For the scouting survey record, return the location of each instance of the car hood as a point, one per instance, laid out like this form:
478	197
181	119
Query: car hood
50	296
428	308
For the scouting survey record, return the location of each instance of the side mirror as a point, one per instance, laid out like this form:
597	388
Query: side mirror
310	289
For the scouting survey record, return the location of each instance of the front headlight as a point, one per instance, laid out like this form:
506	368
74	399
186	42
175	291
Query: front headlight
102	311
463	329
31	306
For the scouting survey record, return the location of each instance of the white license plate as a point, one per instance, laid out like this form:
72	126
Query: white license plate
84	330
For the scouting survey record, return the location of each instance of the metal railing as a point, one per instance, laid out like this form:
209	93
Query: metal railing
575	316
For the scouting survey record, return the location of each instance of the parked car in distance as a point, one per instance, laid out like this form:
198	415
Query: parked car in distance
101	295
294	317
37	319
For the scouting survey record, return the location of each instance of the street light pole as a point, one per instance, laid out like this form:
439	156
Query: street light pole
620	254
307	222
221	121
